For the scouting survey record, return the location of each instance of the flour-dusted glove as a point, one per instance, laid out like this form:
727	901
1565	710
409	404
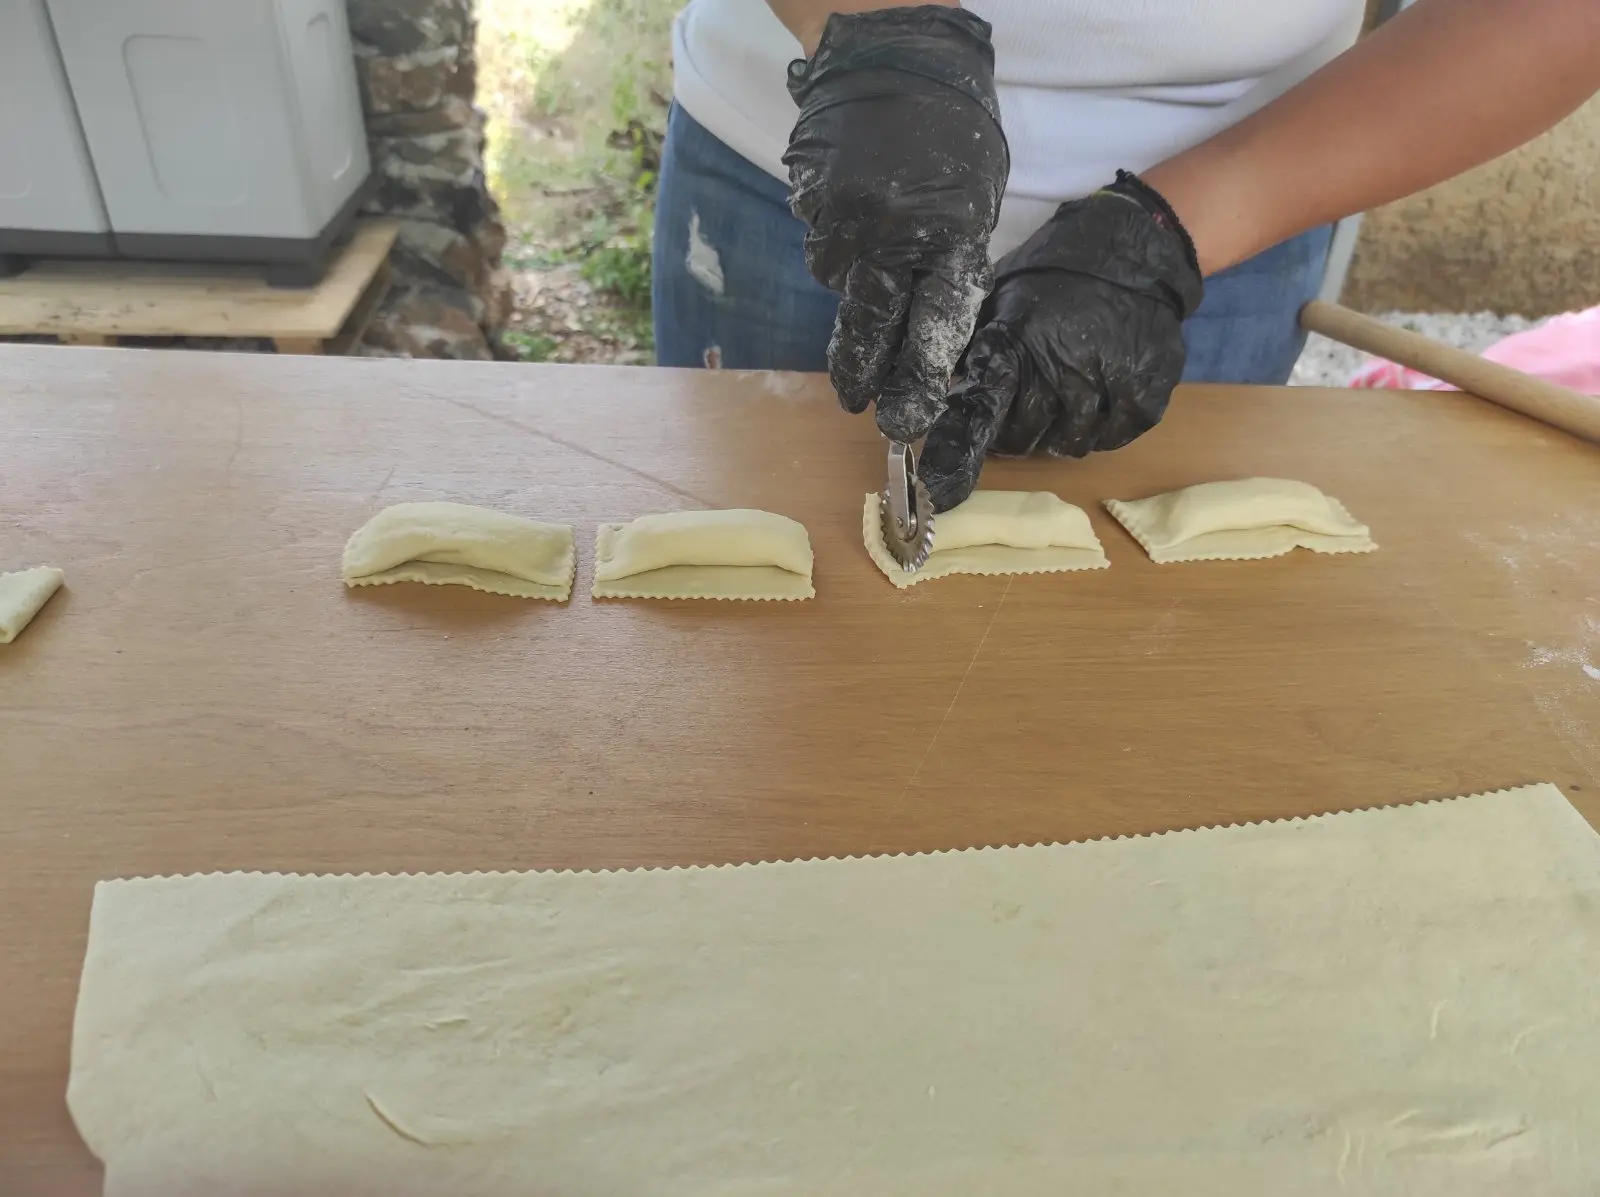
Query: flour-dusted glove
897	164
1080	345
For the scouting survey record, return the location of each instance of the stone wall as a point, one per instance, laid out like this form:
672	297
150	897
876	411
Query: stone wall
416	62
1519	235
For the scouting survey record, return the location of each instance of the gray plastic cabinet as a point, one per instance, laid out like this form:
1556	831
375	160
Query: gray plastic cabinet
49	203
222	130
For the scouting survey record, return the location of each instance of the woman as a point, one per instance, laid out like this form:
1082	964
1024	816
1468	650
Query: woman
1157	184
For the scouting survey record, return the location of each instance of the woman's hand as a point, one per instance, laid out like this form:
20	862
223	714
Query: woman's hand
897	165
1081	344
1079	348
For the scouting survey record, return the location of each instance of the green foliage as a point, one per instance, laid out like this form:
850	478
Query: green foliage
530	346
621	268
578	111
625	92
633	328
551	96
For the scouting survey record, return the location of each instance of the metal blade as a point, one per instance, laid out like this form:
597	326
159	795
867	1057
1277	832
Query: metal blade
906	511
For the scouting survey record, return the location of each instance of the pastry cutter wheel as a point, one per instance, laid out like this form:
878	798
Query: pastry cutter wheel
906	511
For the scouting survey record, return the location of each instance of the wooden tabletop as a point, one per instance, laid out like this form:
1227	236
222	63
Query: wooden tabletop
205	695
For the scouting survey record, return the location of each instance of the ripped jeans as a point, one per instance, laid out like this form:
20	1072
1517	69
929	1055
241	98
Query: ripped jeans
729	286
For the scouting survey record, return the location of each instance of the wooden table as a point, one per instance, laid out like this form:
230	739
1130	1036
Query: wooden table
205	695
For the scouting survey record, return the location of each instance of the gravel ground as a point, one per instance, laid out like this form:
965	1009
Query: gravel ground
1326	363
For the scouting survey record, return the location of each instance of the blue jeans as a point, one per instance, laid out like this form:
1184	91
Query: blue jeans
729	285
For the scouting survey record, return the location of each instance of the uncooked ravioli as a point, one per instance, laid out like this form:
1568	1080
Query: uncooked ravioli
22	594
736	554
1243	519
994	532
457	544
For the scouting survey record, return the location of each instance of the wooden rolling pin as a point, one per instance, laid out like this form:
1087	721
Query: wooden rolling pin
1555	405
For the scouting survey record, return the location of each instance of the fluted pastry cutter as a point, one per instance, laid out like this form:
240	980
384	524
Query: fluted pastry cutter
906	511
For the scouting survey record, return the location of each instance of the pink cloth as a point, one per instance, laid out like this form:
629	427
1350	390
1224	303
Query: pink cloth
1564	350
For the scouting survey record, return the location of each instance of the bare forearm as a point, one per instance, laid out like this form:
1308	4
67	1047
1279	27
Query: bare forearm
1442	87
805	18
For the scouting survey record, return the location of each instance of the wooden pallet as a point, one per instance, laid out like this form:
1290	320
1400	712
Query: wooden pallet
96	303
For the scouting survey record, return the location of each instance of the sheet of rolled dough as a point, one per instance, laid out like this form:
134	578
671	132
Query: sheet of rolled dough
457	544
22	593
1243	519
738	554
994	532
1385	1002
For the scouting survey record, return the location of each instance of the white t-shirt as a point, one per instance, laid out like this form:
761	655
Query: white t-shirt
1085	86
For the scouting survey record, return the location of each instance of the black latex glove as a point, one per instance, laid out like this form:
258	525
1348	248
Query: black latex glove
897	164
1080	345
